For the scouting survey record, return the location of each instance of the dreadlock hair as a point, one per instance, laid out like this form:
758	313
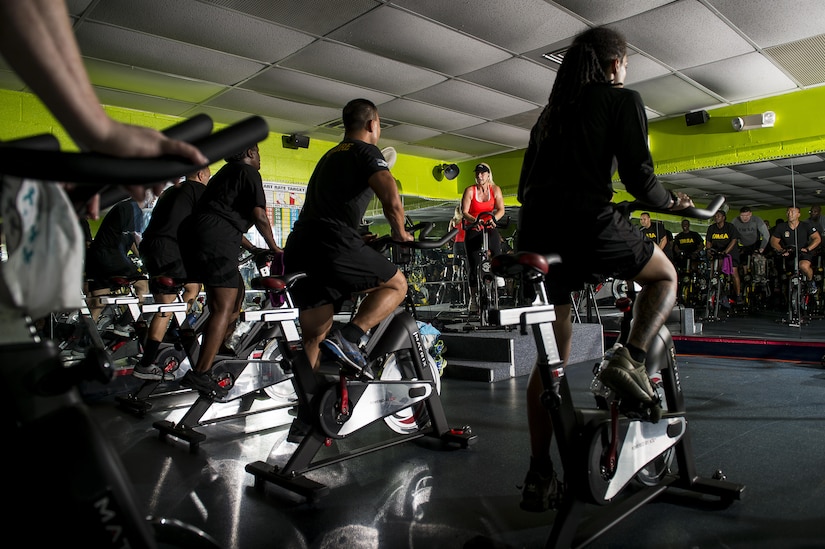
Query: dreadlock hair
357	113
586	62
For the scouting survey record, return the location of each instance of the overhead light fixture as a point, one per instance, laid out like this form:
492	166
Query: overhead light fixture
450	171
754	121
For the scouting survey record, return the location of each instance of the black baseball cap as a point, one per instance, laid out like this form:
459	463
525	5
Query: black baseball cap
481	168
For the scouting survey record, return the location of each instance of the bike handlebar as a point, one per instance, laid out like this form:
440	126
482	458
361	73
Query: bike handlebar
17	158
423	243
479	221
695	212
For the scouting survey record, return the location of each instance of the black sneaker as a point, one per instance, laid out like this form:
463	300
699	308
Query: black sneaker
152	372
812	289
540	493
347	354
203	383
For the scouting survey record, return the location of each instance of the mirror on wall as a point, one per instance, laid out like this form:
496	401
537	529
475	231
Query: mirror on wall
769	188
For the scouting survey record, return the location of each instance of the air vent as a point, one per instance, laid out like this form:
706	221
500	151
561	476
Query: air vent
338	124
802	59
555	56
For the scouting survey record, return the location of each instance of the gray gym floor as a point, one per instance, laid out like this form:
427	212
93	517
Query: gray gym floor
762	423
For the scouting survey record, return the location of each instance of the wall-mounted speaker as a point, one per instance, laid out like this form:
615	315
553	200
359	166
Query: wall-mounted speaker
295	141
696	118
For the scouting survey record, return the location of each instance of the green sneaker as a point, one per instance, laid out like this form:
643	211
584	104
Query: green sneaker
627	377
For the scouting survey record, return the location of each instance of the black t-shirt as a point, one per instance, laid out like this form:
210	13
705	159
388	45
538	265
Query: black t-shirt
174	205
655	233
688	242
118	228
338	192
798	237
566	176
232	194
719	237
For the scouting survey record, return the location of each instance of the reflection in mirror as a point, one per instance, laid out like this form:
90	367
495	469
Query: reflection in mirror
789	312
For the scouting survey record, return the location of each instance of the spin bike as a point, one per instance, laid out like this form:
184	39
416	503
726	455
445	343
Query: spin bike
47	422
601	451
405	395
172	356
487	287
255	371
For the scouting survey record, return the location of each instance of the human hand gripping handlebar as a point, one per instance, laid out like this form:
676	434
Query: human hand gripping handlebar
39	157
694	211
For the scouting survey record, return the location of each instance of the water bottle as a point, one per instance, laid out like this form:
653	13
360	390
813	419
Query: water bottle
240	330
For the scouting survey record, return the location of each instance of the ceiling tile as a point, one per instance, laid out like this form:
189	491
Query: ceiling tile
744	77
531	24
697	39
194	22
159	54
407	133
772	22
463	97
517	77
136	101
354	66
602	13
415	112
498	133
465	144
246	101
317	17
671	95
418	42
133	79
307	88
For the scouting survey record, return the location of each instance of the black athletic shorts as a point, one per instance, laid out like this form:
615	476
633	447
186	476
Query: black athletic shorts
210	249
609	247
338	265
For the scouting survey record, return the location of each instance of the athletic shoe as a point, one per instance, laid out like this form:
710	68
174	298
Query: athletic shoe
203	383
740	300
627	377
540	492
151	372
812	289
347	354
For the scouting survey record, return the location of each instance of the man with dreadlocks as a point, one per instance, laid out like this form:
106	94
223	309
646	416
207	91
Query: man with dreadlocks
591	126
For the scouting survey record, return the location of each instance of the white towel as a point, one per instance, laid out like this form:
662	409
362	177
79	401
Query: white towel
44	243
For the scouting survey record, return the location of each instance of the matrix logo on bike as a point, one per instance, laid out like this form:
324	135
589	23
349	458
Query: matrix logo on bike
111	522
422	354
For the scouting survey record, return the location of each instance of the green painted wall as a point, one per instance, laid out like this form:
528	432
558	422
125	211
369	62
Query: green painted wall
799	129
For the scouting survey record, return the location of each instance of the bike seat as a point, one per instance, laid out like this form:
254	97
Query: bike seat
270	283
511	265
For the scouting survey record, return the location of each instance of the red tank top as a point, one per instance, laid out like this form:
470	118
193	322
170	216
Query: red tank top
477	206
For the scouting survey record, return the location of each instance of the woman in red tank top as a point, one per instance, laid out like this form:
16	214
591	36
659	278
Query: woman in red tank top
481	197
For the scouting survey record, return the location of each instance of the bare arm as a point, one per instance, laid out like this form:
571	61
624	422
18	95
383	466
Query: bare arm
385	188
498	210
36	39
814	240
466	200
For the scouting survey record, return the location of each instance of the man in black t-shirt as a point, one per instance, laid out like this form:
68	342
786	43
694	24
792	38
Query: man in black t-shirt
326	244
161	256
686	245
723	238
108	253
799	238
